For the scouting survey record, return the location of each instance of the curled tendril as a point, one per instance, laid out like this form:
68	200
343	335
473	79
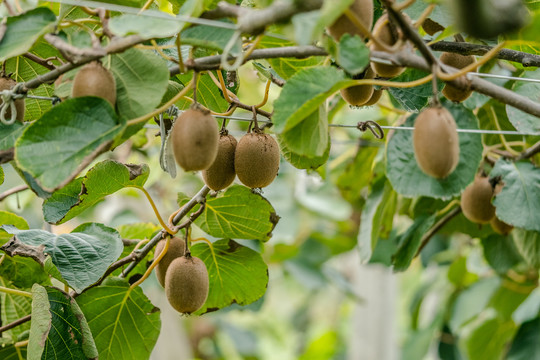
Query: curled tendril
8	102
372	126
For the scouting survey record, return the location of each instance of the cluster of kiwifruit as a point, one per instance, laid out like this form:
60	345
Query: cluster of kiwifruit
95	80
184	277
477	207
7	83
459	62
198	145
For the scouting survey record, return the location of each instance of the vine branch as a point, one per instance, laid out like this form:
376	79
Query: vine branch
15	323
438	226
530	152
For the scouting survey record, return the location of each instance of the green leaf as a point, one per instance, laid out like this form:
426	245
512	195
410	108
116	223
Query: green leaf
239	214
23	272
517	204
525	345
145	26
488	340
81	256
501	253
59	329
10	353
353	54
207	94
106	178
303	94
310	138
409	242
372	218
509	297
528	245
8	218
9	135
287	67
416	98
23	30
66	136
304	161
357	174
522	121
407	178
210	37
237	274
14	307
136	231
124	323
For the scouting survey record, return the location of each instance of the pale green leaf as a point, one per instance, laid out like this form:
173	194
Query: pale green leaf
8	218
211	37
310	137
145	26
353	54
409	242
14	307
528	245
304	161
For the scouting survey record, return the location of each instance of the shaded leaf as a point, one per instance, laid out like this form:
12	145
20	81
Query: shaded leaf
9	134
488	340
409	242
528	245
304	161
237	274
23	272
310	137
353	54
501	253
525	345
415	98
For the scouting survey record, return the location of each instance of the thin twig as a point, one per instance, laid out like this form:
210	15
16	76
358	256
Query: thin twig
530	152
12	191
438	226
15	323
43	62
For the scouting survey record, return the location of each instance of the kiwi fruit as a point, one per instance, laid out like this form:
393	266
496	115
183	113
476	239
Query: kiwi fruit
195	139
221	174
459	62
374	98
436	142
383	32
7	83
176	249
186	284
256	160
94	80
500	227
360	94
363	9
476	201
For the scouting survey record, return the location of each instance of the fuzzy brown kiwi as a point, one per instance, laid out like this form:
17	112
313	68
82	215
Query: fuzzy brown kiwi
176	249
374	98
187	284
497	224
94	80
459	62
436	142
363	9
7	83
476	201
360	94
256	160
383	32
195	139
221	174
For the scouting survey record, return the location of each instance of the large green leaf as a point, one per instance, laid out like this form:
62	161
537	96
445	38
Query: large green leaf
210	37
489	338
23	30
81	256
66	136
409	242
528	245
500	252
407	178
14	307
106	178
9	135
304	161
303	94
145	26
124	323
522	121
207	94
525	345
8	218
518	203
238	214
310	137
59	329
23	272
352	54
414	98
237	274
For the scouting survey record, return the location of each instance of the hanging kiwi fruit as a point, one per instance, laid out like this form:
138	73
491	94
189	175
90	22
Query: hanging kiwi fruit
7	83
389	35
436	142
360	94
177	247
187	284
459	62
195	139
476	201
499	226
94	80
221	174
256	160
363	9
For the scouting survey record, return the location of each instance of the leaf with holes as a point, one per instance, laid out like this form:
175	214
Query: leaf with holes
238	214
81	256
59	329
104	179
124	323
237	274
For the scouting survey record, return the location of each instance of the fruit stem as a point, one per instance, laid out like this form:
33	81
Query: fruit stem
15	292
435	90
179	51
266	91
154	264
153	205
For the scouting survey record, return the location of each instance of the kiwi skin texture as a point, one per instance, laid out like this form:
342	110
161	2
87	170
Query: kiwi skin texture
221	174
94	80
256	160
195	139
176	249
187	284
377	94
360	94
436	142
476	201
458	61
363	9
7	83
500	227
382	30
